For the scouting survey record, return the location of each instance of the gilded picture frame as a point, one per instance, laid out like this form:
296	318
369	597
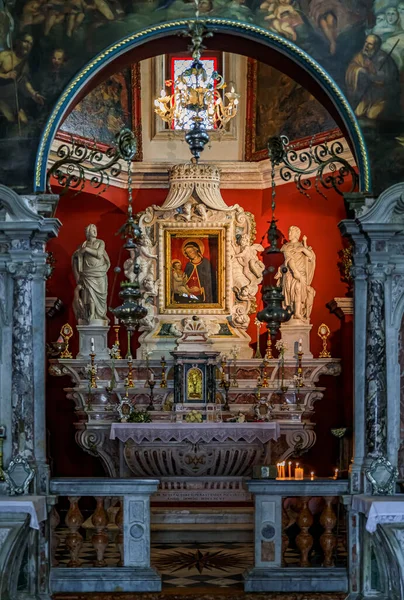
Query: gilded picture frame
194	269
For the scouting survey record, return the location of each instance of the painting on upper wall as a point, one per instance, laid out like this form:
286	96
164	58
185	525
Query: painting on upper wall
358	43
112	105
277	105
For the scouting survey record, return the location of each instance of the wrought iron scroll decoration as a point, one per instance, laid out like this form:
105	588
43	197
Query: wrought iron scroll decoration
325	162
80	160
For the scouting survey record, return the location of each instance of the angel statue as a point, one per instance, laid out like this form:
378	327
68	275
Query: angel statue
247	268
300	264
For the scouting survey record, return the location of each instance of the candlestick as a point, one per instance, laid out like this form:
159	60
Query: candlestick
129	380
290	469
258	350
66	332
235	353
226	386
265	382
268	353
223	361
93	371
336	471
151	383
117	344
163	383
128	348
312	475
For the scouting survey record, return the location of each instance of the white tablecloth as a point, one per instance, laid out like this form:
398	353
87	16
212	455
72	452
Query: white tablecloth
33	505
194	432
380	509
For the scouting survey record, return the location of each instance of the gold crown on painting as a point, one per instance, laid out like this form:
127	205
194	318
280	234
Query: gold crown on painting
194	172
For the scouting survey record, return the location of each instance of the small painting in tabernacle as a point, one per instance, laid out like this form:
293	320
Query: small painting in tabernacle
194	269
194	381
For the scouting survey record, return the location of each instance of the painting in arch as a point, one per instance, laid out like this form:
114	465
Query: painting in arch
201	298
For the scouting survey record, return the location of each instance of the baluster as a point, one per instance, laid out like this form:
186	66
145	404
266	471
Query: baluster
328	540
74	540
285	537
100	538
304	540
54	520
119	537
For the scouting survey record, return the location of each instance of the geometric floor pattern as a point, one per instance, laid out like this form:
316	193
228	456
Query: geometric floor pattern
189	566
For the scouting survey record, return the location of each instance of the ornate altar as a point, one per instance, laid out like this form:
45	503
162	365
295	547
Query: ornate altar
196	276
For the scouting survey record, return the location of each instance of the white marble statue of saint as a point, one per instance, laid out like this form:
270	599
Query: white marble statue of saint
90	264
300	264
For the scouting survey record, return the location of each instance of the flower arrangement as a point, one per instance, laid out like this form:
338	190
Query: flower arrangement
113	353
194	417
139	416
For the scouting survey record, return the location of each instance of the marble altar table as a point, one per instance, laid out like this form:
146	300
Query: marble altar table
35	506
195	460
380	509
382	538
195	432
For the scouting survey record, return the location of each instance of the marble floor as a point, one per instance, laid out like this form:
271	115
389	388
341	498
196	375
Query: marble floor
192	566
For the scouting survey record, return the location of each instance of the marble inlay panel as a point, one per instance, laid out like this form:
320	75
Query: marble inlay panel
376	393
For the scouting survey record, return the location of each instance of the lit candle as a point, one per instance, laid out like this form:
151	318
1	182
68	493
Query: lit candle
227	377
299	474
152	376
336	474
277	470
116	321
300	345
92	345
312	475
290	469
283	470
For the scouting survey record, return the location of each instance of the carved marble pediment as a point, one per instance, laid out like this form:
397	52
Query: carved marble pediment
202	259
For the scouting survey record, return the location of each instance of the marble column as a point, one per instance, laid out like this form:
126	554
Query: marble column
22	388
24	232
375	374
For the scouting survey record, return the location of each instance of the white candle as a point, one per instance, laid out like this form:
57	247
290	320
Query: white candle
92	345
116	321
300	345
312	475
227	377
152	376
290	469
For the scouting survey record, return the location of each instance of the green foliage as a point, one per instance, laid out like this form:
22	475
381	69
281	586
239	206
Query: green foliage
139	416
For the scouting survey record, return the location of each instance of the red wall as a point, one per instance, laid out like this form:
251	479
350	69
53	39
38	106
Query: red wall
317	218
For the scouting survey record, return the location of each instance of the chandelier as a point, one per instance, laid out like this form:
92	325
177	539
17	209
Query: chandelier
197	101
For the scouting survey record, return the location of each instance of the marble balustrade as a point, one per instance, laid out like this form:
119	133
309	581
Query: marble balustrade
130	535
306	516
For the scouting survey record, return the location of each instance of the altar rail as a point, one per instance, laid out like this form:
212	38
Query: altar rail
100	536
129	537
313	510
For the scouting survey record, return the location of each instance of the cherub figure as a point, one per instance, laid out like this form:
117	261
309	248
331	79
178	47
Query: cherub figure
283	17
247	268
128	266
150	286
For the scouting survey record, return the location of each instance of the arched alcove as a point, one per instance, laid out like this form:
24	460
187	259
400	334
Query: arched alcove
256	42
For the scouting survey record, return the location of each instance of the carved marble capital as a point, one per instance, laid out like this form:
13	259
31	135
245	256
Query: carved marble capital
22	270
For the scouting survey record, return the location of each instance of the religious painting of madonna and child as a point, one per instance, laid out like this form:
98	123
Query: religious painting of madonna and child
194	269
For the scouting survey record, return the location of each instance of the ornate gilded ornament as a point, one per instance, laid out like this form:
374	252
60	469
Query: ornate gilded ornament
66	332
324	333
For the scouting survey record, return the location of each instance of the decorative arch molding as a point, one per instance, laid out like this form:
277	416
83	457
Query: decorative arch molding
270	41
16	208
